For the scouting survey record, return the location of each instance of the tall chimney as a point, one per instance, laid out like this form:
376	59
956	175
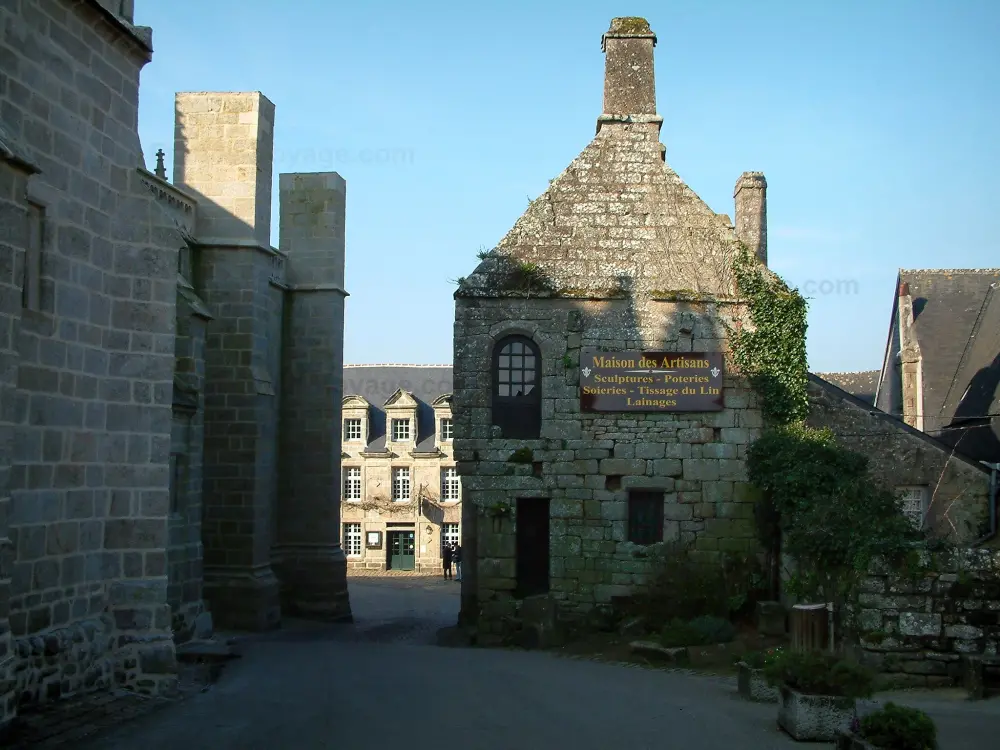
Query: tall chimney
751	213
628	68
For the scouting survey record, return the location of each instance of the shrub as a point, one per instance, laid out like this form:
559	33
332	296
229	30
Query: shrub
895	727
820	673
760	659
678	633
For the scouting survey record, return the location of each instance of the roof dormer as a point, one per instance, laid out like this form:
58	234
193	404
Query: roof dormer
356	427
401	419
443	424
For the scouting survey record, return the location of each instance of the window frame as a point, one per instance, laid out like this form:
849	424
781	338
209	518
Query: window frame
352	481
924	499
350	423
638	530
450	424
397	481
395	422
349	537
447	537
519	417
448	482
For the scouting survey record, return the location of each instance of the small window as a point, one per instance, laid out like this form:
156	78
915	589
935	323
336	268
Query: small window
31	293
400	430
401	485
645	517
449	484
517	402
449	535
352	483
352	539
447	430
352	430
914	503
175	481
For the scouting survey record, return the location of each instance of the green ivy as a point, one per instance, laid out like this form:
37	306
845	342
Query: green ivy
771	352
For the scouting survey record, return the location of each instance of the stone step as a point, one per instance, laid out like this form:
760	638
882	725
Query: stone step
201	651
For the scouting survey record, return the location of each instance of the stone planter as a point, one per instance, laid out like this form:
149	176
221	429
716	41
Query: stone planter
753	687
848	741
814	718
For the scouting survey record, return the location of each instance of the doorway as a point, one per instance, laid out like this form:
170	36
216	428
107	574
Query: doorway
402	550
532	546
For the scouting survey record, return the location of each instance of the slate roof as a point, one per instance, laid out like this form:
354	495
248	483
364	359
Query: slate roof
957	325
378	383
861	385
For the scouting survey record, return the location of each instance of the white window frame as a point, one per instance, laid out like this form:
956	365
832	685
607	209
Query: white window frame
353	540
352	484
401	485
450	534
451	486
350	434
400	430
914	502
447	429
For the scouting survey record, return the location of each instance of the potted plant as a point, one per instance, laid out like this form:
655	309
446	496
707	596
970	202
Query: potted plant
891	727
751	682
817	693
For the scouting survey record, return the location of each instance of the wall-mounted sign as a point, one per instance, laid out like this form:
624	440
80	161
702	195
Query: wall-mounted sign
650	381
374	540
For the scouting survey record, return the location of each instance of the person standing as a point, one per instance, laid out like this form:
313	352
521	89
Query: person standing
446	555
456	555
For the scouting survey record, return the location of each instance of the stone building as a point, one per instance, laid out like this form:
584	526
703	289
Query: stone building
153	347
401	490
941	369
594	404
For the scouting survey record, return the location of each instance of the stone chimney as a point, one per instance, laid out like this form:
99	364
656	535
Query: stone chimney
910	362
629	86
751	213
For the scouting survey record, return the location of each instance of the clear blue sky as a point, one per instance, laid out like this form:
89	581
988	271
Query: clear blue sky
876	124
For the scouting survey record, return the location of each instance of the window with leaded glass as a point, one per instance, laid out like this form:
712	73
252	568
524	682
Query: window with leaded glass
449	534
352	429
449	484
913	502
400	430
352	539
517	403
645	517
447	429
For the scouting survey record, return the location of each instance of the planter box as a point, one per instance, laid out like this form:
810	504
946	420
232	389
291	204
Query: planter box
848	741
753	687
814	718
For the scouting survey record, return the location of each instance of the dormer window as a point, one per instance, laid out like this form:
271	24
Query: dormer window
447	430
352	430
400	430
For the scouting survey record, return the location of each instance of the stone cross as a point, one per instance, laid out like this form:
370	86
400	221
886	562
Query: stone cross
161	171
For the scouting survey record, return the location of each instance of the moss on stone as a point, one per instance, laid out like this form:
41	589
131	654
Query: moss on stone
629	25
680	295
521	456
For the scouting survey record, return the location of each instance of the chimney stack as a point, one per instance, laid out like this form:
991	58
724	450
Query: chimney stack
628	68
751	213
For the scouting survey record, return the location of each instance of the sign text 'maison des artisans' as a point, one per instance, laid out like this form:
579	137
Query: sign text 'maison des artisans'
650	381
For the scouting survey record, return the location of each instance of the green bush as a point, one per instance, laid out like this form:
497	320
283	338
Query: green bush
820	673
760	659
895	727
701	631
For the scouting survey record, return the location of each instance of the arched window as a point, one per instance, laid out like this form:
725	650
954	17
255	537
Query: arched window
517	387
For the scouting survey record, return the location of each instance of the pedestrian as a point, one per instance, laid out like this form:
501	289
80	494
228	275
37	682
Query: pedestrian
456	555
446	555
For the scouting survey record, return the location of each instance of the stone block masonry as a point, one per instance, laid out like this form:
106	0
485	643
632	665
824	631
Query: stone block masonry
87	348
223	138
308	555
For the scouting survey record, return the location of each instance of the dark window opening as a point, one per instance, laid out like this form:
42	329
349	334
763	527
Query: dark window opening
517	401
532	546
645	517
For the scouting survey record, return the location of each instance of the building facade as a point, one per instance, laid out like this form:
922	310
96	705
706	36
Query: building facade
170	382
596	410
401	492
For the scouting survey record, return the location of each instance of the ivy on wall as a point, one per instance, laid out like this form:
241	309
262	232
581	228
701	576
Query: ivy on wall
771	353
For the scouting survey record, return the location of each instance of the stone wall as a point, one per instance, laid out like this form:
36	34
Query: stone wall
90	417
917	630
957	488
586	463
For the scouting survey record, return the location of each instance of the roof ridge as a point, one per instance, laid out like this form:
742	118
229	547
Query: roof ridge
951	270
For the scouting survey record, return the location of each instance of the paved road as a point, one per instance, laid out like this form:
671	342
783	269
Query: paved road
380	684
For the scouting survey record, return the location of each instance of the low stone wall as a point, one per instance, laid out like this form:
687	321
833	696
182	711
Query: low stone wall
74	659
915	631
